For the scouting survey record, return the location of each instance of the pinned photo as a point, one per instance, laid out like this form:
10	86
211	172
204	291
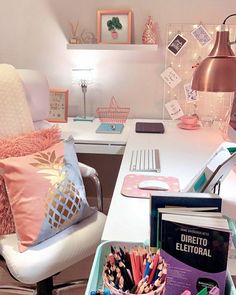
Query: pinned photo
171	77
201	35
174	109
177	44
190	94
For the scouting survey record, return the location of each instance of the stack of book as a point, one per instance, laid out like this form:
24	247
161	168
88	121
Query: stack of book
194	238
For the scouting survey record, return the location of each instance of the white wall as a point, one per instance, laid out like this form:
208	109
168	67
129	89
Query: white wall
34	35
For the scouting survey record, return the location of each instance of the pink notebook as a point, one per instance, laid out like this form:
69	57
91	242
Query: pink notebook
131	181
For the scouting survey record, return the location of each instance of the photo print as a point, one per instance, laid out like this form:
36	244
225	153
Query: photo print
174	109
171	77
190	94
201	35
177	44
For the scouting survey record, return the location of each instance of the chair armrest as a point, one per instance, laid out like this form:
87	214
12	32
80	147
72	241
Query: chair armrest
87	171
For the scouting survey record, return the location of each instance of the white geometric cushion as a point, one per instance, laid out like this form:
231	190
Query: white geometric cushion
55	254
15	116
37	93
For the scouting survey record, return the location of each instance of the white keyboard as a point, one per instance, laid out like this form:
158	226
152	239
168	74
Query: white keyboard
145	160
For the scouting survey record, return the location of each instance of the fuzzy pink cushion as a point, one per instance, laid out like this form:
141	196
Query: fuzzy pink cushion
22	145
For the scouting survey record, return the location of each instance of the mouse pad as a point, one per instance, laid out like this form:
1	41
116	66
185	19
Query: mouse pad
131	181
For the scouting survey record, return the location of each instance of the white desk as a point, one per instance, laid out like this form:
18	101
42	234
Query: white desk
88	141
182	154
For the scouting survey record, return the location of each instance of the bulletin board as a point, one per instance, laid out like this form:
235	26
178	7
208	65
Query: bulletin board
183	60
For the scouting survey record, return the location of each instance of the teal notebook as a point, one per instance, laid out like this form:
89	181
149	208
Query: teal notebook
110	128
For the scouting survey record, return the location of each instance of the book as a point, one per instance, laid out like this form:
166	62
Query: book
178	199
199	211
195	249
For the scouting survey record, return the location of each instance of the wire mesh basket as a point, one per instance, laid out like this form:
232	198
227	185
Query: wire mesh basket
113	113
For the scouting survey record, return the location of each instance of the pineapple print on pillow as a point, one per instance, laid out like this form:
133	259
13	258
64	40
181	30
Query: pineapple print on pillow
62	204
46	192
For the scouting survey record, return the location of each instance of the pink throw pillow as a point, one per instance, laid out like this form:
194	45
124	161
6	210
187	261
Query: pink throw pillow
46	192
22	145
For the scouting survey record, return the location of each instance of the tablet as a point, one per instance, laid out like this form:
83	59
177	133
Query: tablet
149	127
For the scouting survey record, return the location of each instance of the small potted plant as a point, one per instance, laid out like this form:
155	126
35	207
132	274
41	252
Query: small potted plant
113	25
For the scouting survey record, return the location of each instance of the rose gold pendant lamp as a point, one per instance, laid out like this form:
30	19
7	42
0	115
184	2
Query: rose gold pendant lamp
217	72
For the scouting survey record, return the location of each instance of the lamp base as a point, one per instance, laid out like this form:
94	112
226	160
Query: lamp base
87	118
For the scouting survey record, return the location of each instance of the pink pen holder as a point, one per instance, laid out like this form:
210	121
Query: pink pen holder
159	291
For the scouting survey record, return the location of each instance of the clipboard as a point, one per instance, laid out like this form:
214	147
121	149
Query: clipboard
214	172
214	181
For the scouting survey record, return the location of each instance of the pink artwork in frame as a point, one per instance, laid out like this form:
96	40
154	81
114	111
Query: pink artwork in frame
114	26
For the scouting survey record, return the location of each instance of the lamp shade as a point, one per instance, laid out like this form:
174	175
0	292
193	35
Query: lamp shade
81	76
217	73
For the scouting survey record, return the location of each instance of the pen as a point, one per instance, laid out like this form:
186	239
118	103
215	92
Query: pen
214	291
112	250
203	292
153	271
158	269
128	283
148	262
140	283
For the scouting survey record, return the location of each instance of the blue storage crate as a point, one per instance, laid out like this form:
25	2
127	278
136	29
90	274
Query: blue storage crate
95	279
230	288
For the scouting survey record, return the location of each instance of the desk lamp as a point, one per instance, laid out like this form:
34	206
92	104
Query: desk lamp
83	77
217	72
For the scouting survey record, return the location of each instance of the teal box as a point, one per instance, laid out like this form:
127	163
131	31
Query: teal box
230	287
95	279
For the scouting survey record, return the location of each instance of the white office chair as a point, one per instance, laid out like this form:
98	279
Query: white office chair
37	265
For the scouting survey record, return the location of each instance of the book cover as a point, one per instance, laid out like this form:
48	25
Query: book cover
180	199
196	252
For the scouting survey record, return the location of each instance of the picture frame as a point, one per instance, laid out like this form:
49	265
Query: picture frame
58	105
114	26
177	44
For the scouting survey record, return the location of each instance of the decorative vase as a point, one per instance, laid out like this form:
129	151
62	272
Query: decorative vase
149	33
114	35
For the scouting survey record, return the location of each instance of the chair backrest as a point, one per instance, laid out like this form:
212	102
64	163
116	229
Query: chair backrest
37	93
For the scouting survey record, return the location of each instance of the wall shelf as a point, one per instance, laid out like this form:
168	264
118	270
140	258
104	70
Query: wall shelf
137	47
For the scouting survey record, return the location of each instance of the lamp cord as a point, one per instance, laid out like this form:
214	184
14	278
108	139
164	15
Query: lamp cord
233	14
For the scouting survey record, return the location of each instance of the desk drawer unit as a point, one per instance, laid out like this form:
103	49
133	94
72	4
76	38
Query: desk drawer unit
100	148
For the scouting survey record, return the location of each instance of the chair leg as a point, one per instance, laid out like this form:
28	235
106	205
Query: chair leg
45	287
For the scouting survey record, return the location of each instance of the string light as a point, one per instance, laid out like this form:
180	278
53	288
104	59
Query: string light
184	63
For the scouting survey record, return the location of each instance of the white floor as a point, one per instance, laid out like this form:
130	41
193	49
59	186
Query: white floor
78	271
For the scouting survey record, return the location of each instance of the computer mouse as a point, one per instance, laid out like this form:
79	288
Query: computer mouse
153	185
